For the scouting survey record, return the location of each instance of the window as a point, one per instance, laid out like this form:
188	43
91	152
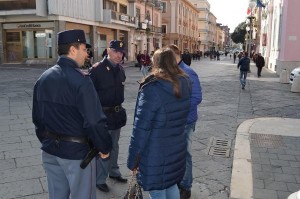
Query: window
176	42
164	29
164	6
17	4
123	9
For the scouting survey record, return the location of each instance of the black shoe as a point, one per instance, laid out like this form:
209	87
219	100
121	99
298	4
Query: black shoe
184	194
119	179
103	187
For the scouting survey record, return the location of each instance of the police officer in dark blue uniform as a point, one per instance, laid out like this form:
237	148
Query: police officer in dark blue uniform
69	121
109	80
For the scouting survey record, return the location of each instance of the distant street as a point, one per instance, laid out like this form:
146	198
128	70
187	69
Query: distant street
225	105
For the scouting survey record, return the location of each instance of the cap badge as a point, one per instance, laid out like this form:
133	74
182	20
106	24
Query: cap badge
121	44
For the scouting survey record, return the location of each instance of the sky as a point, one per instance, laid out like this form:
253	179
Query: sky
229	12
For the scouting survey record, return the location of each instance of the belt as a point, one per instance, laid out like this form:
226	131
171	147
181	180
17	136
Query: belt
57	138
112	109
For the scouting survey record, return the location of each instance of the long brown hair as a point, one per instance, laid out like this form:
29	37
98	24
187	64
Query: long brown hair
165	67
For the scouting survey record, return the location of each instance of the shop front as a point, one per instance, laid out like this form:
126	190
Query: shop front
28	42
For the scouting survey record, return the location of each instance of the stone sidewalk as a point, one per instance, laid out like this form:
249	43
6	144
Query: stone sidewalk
266	161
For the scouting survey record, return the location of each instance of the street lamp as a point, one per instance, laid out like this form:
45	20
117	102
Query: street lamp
252	4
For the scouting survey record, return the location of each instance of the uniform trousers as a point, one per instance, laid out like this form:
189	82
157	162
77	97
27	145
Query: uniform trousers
109	166
66	180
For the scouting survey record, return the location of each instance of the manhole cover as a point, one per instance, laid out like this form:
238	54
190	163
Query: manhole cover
266	140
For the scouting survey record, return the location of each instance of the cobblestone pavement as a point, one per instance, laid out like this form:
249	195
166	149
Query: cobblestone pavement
225	105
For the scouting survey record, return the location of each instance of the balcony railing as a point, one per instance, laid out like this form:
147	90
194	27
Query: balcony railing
111	16
149	28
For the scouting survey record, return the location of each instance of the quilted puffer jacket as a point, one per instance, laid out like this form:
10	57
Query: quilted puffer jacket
158	142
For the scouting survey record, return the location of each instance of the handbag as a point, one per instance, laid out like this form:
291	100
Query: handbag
134	189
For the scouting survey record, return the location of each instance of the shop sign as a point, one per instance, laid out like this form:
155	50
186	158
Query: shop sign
124	18
28	25
42	34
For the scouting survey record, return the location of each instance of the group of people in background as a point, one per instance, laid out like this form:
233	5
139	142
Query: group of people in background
78	119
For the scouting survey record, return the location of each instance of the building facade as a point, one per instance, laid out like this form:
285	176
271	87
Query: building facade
28	28
280	34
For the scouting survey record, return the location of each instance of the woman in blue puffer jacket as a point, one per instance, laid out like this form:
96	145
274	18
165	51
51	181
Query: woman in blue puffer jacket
158	144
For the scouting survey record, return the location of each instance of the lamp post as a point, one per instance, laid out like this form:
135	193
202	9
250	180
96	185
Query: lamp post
252	4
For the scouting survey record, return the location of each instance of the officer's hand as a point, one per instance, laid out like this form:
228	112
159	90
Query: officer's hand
103	156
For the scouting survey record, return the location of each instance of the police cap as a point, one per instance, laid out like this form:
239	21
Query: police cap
72	36
117	45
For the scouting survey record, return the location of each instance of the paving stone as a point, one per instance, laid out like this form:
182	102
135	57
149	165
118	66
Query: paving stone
7	133
15	146
271	168
290	170
28	161
20	188
284	177
7	164
286	157
280	163
9	140
22	153
292	187
277	151
295	164
264	194
283	194
276	186
24	173
268	155
259	184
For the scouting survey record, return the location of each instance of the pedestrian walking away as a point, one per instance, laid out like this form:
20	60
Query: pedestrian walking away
234	57
260	63
69	122
196	97
109	78
244	65
146	62
157	148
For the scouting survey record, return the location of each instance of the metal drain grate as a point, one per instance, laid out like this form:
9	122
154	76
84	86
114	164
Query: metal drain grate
219	147
266	140
216	151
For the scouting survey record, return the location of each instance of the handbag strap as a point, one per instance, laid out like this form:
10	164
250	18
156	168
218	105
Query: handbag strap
133	180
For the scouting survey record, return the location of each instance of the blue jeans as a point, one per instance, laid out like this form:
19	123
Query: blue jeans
144	70
243	77
169	193
187	180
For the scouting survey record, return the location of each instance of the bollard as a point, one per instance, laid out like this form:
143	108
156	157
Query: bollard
295	195
296	85
284	77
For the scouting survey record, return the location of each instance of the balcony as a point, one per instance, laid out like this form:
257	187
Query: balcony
149	28
111	16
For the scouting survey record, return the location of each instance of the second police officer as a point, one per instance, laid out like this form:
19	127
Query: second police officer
109	79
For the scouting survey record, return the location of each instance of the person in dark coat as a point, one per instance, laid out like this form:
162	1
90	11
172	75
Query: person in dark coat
260	63
69	121
158	143
109	78
186	57
244	65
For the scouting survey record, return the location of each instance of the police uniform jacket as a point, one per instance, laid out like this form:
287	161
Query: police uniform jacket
158	142
66	103
109	83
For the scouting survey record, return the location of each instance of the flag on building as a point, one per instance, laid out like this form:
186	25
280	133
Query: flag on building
259	4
